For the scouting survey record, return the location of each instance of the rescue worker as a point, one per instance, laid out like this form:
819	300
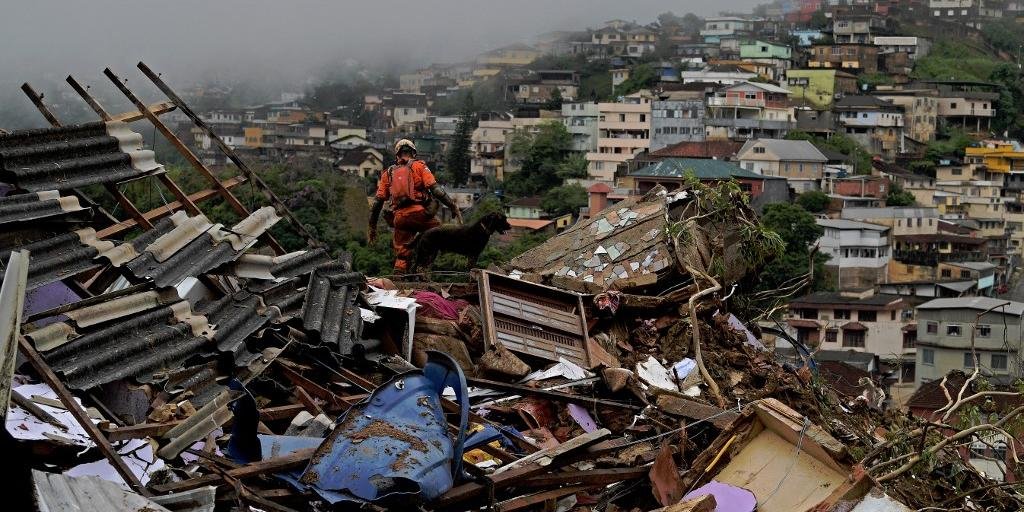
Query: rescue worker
412	194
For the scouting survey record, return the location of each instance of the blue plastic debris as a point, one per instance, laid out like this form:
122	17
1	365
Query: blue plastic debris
394	446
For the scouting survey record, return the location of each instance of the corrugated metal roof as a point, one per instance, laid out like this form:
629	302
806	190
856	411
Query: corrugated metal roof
130	336
61	256
329	307
195	246
702	168
39	205
1006	307
73	156
59	493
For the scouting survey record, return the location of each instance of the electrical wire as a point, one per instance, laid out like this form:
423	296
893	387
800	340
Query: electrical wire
792	463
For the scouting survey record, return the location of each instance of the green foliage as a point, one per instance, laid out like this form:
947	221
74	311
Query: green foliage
564	199
573	166
541	156
555	103
841	143
814	201
819	20
1004	34
899	197
794	224
874	80
457	160
798	231
952	144
953	60
642	76
596	86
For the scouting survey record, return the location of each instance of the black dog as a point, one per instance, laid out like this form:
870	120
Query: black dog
468	240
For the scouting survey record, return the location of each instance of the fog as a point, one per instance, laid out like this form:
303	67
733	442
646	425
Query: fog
294	42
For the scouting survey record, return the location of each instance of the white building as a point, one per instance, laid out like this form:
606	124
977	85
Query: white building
859	252
624	129
581	121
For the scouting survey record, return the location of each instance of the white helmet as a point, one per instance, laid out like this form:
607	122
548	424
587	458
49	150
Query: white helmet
404	143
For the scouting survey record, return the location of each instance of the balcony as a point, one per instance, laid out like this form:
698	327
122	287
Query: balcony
759	124
721	101
930	258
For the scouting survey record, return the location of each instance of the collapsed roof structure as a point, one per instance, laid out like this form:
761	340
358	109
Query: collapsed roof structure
169	362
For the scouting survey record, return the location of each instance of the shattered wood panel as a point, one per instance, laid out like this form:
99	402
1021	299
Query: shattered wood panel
533	319
73	156
625	241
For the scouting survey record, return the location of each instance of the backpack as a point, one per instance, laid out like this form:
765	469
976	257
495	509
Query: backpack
402	185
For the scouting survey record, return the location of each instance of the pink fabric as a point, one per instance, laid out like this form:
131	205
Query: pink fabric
433	305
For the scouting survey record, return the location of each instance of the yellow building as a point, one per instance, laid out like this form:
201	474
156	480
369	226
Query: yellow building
509	56
997	156
253	136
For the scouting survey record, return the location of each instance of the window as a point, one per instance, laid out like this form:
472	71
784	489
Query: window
842	314
759	149
622	118
831	335
932	327
892	315
965	274
953	330
999	451
999	361
867	316
853	339
947	272
927	356
643	118
957	172
968	360
952	105
909	339
809	314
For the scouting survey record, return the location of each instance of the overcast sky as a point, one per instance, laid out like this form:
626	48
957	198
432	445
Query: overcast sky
191	37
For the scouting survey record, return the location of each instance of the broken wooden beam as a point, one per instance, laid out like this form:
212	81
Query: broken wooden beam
51	379
271	465
696	411
550	395
589	477
163	211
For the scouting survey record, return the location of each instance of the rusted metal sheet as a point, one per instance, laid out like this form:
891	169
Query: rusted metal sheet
533	319
12	302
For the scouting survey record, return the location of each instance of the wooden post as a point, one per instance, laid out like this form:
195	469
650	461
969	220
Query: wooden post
188	154
37	100
95	105
233	156
76	410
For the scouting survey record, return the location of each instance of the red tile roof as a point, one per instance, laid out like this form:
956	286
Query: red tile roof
854	326
720	149
531	224
843	377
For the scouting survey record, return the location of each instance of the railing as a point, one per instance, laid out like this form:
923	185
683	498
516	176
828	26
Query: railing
749	123
930	259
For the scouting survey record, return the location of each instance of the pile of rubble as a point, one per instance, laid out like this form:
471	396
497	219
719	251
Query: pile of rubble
603	370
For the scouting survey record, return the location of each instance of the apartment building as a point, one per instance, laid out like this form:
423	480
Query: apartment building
749	110
966	105
581	121
853	57
819	87
948	327
859	252
624	129
799	161
858	28
777	57
488	148
676	117
862	321
875	123
920	110
908	220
